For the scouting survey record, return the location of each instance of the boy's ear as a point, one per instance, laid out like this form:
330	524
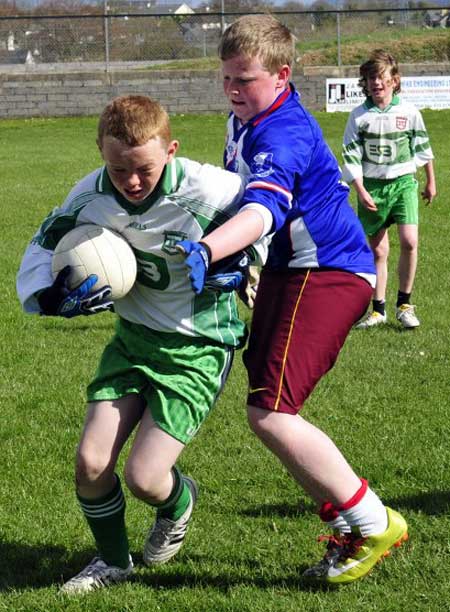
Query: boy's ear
172	149
99	145
284	74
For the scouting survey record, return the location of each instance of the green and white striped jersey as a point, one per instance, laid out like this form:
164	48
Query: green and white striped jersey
190	201
386	143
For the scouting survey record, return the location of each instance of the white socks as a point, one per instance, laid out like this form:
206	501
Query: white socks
364	510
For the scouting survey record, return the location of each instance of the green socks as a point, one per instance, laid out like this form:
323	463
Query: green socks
106	519
177	502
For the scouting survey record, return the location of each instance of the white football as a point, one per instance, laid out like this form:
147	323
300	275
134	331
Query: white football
91	249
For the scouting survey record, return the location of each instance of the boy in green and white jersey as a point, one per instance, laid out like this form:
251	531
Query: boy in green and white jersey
385	141
170	356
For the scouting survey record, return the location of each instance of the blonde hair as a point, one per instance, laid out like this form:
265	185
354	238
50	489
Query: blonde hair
379	63
260	36
134	120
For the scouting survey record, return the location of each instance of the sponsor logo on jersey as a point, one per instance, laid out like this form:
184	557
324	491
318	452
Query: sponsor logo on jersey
231	163
401	123
136	225
170	239
261	164
381	152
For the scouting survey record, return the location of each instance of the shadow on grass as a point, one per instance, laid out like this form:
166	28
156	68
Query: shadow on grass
246	573
387	327
25	567
433	503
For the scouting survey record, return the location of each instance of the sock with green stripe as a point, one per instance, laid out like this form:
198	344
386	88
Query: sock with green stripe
106	519
178	500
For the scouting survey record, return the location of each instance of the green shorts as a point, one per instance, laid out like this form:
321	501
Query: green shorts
179	377
397	202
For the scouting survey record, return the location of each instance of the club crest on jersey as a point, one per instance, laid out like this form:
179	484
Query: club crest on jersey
170	239
401	123
262	164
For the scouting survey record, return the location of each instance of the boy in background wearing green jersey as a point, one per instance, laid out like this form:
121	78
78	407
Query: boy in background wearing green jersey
170	356
385	141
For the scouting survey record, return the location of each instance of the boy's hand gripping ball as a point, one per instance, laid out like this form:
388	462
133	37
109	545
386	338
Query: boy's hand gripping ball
91	266
60	300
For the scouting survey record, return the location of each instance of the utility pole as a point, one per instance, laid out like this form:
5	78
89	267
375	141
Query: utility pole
222	17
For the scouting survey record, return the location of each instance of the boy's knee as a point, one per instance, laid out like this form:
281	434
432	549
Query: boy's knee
409	246
90	467
381	252
135	483
144	484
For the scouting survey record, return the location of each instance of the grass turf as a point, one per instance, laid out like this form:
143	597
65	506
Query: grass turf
385	404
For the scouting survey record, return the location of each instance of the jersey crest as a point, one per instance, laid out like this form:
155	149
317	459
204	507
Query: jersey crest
170	239
261	164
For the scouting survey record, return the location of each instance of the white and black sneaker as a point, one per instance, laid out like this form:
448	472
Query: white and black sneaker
96	575
407	316
373	319
166	537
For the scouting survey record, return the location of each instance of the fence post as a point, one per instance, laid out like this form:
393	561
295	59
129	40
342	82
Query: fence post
338	27
106	33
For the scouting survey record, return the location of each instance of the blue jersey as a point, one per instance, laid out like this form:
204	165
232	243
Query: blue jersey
292	172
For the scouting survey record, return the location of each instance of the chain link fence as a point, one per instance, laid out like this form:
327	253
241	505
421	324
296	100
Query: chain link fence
155	38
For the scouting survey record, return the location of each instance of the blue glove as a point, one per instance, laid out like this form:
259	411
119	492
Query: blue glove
198	257
227	274
60	300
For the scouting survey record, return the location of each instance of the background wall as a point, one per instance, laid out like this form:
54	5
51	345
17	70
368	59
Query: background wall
45	91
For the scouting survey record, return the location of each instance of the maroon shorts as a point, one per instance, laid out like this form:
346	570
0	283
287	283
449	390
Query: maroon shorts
300	323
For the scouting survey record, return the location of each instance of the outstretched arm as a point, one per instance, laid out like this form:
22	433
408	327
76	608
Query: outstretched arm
240	231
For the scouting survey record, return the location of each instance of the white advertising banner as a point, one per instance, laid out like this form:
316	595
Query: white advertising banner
422	91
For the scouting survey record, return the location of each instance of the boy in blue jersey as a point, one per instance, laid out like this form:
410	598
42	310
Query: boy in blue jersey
316	284
385	141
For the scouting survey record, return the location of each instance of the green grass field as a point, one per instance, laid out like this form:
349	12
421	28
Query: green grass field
385	404
359	35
